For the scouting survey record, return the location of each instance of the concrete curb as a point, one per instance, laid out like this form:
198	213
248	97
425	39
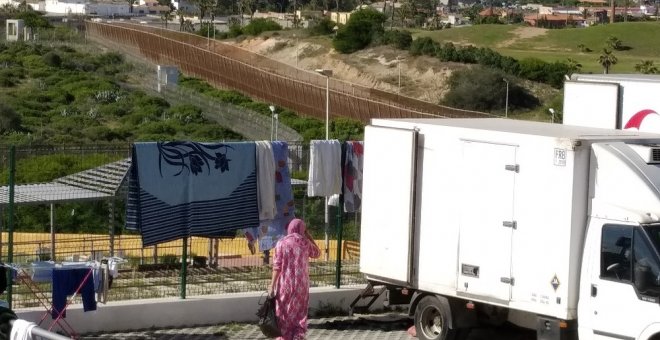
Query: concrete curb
175	312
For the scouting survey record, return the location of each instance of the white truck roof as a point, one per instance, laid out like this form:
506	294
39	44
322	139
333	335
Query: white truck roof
519	127
617	77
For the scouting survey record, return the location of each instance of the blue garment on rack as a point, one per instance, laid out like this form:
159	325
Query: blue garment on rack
65	283
181	189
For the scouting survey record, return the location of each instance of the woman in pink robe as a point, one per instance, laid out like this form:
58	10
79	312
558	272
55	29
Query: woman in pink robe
291	279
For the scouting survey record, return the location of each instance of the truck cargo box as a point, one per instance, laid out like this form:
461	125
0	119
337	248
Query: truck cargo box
489	210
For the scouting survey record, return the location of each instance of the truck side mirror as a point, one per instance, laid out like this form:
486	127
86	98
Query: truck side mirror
643	277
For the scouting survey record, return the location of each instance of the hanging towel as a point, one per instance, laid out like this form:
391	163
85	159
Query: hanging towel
192	189
352	189
266	181
21	330
324	168
271	231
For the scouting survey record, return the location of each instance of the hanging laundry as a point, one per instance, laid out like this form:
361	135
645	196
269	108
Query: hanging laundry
324	168
266	181
22	330
69	281
181	189
271	231
353	159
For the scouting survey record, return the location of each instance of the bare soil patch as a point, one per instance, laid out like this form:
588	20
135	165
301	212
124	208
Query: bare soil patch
420	77
522	33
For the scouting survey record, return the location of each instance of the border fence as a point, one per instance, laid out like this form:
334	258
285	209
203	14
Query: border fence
255	75
51	220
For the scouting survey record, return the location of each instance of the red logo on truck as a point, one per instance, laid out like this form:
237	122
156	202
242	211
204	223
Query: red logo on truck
636	120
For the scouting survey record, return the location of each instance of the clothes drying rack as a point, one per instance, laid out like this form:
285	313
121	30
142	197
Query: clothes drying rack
26	279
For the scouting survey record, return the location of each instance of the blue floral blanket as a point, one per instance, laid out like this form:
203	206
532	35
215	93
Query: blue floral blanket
179	189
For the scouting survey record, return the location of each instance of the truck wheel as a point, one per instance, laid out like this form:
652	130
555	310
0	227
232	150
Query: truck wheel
431	320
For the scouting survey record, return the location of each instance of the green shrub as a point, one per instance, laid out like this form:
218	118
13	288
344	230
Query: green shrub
482	88
259	25
400	39
322	27
363	27
234	31
52	59
424	46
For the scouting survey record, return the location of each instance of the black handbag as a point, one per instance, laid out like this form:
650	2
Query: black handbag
267	318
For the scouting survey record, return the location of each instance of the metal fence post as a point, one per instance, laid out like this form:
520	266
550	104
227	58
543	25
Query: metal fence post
184	267
340	231
10	221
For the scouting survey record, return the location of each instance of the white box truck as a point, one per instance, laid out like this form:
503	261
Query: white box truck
613	101
551	227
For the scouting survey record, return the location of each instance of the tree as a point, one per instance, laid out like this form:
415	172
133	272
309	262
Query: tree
361	29
646	67
607	60
482	88
9	119
131	3
168	15
573	66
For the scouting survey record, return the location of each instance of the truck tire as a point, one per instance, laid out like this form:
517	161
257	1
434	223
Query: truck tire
431	320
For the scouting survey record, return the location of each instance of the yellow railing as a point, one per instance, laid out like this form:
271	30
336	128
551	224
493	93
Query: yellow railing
30	245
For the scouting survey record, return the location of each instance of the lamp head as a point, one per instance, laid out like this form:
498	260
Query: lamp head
272	108
324	72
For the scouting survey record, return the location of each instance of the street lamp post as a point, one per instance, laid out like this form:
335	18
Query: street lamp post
398	65
506	103
327	73
272	117
552	117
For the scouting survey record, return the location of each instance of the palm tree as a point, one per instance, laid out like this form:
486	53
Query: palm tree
130	5
573	66
646	67
614	43
607	60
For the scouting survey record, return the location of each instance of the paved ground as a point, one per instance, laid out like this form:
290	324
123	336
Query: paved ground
368	327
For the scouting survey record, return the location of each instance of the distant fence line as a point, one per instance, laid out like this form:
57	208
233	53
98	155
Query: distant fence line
255	75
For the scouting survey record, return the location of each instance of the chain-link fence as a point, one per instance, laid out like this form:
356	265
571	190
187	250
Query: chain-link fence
69	206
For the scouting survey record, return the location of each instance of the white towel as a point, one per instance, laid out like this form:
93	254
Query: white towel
21	330
266	181
324	168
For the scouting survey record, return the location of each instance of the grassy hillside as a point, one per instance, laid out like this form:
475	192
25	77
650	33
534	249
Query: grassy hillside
559	44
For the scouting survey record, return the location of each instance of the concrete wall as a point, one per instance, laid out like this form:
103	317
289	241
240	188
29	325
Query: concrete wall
174	312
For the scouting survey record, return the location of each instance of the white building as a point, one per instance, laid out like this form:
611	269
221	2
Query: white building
86	8
185	5
15	29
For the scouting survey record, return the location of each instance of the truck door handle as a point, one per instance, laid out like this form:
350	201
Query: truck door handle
594	290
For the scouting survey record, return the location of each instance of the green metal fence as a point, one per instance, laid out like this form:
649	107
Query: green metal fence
45	216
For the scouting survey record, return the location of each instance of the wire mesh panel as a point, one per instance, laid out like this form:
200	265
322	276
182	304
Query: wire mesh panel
70	207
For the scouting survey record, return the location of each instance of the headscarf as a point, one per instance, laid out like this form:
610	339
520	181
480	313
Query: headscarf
296	226
296	231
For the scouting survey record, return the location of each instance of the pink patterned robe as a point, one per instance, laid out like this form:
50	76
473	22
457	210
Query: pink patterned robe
291	258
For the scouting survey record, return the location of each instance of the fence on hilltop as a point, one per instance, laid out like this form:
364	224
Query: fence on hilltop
255	75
